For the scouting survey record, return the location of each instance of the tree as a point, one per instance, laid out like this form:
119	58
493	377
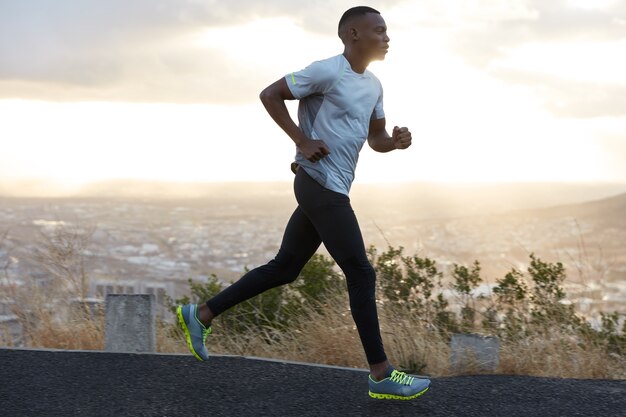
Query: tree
61	253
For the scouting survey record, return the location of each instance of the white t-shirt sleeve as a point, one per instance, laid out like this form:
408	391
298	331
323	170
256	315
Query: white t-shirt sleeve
317	78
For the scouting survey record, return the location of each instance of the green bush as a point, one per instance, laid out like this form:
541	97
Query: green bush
276	308
520	305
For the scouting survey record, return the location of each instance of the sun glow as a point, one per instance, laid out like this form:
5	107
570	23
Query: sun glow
578	61
277	42
77	143
468	125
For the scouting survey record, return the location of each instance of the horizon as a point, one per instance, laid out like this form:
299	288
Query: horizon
39	188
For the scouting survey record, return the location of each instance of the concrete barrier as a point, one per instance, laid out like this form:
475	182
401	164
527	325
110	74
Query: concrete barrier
472	353
130	323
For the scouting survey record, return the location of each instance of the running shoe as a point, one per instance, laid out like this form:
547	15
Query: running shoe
398	386
195	331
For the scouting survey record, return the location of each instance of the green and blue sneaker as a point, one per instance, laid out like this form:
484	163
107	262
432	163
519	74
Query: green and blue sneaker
195	331
398	386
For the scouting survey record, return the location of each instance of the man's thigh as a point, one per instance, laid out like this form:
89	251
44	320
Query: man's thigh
339	230
301	238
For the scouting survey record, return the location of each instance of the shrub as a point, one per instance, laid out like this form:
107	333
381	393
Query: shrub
275	308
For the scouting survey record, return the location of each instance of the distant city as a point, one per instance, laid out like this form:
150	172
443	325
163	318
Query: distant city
154	244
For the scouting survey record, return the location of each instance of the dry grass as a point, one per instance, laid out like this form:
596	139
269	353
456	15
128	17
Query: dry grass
75	333
559	355
331	338
170	338
58	324
411	346
328	337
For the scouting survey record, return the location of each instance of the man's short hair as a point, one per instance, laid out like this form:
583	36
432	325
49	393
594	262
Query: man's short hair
352	13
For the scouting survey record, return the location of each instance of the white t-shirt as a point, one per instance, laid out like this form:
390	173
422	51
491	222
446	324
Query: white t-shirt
336	105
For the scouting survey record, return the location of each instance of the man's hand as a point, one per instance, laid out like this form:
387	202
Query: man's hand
401	137
313	149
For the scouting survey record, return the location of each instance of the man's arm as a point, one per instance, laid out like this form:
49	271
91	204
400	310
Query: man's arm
273	98
380	141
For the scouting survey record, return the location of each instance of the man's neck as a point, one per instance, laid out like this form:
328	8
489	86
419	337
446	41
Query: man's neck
358	63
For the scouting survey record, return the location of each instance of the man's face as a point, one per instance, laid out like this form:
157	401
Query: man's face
373	40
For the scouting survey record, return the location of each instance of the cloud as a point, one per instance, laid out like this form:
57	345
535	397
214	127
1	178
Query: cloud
488	28
579	79
485	38
166	74
571	99
117	50
120	50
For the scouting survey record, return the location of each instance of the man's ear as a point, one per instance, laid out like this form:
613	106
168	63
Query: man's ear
354	34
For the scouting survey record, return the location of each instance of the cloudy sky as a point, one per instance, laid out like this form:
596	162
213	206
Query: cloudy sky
493	90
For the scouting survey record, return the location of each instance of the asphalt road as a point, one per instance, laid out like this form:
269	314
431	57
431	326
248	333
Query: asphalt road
66	383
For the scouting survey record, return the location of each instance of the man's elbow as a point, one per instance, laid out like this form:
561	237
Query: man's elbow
379	144
372	143
265	95
278	91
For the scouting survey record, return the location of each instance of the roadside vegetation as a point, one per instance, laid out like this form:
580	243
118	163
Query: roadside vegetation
420	308
540	332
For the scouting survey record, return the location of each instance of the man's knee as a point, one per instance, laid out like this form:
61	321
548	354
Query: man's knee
285	268
360	274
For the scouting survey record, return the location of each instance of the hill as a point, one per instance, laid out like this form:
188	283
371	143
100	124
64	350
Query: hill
415	200
610	211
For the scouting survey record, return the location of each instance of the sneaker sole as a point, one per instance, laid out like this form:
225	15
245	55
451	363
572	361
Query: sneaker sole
183	325
395	397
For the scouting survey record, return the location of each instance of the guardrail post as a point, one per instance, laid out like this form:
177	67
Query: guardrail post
130	323
473	352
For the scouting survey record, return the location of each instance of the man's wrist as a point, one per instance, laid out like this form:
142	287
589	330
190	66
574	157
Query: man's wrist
393	144
299	140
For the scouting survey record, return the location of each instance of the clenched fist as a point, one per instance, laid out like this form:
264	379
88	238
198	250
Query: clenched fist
401	137
313	149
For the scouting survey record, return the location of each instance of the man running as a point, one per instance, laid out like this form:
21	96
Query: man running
341	106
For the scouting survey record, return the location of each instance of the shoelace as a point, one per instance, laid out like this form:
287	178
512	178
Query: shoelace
401	378
205	332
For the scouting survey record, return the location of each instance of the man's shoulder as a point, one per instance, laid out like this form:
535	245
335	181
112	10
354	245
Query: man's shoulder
372	75
333	63
327	71
332	59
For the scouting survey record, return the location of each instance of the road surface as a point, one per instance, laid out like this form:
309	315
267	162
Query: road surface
80	383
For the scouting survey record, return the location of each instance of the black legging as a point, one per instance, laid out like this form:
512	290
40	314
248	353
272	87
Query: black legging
321	216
